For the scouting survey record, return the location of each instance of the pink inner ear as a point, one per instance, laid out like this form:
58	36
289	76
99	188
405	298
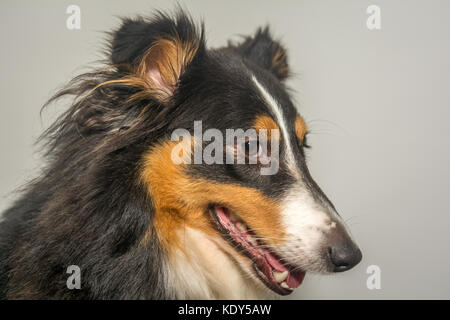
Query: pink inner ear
155	76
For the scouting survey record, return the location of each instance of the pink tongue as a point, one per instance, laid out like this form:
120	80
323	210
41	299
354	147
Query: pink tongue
274	262
294	279
223	216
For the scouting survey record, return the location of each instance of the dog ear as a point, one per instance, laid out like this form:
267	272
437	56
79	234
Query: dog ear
265	52
158	50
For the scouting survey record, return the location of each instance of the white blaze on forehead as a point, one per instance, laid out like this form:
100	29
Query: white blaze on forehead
307	221
279	118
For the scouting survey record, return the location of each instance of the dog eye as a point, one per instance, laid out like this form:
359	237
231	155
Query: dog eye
252	149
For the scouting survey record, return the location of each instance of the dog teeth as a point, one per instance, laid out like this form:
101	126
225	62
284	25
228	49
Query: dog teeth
252	240
285	285
241	226
280	276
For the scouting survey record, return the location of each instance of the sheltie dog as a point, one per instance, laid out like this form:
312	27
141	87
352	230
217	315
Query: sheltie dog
113	202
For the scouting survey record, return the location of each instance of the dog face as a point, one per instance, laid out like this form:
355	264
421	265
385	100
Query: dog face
274	227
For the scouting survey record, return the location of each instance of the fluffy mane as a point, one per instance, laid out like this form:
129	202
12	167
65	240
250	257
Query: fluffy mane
94	151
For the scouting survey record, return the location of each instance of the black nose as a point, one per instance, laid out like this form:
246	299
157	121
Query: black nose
344	256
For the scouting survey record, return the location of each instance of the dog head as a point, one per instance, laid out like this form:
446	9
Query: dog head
265	213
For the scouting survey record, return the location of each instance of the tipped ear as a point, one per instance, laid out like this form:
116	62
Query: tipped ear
158	50
265	52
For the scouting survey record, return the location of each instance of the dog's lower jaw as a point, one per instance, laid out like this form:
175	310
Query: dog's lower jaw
204	270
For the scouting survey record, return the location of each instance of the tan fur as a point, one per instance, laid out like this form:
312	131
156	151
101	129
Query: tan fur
279	63
164	63
158	72
182	201
267	123
300	128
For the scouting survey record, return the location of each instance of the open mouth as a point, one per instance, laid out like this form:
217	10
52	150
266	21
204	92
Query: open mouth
276	275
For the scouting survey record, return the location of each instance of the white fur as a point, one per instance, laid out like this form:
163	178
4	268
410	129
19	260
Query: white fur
208	268
279	118
306	225
306	222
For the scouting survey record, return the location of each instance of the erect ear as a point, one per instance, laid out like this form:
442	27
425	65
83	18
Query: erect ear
158	50
265	52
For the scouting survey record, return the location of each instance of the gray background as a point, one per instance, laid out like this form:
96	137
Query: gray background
377	103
